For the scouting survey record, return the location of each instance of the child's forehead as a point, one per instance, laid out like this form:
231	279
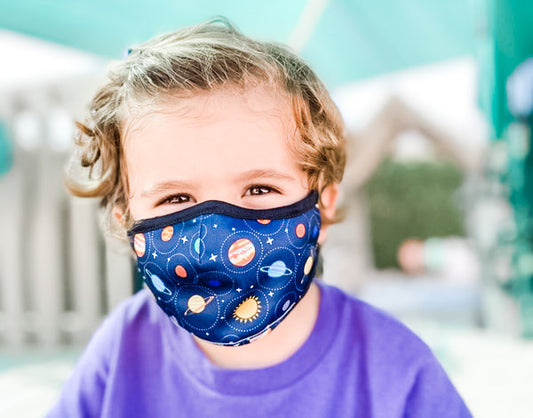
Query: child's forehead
202	107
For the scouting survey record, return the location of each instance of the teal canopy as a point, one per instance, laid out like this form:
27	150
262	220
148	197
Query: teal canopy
344	40
510	26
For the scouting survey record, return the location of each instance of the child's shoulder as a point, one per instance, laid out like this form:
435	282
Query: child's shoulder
368	328
131	318
138	309
378	352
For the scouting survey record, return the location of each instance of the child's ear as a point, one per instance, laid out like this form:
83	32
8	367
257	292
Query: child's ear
118	214
329	201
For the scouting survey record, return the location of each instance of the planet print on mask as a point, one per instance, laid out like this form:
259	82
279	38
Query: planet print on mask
196	304
180	271
241	252
167	233
315	231
198	245
164	240
158	283
196	242
286	304
265	227
276	269
300	230
308	265
248	310
197	307
139	244
305	269
217	282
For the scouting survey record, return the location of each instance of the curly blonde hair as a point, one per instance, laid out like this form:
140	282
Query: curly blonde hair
196	59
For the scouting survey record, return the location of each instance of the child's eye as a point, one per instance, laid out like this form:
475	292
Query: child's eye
176	199
260	190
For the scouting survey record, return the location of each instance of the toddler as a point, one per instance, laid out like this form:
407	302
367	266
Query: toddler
220	157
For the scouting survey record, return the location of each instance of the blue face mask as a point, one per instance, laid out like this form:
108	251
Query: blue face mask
228	274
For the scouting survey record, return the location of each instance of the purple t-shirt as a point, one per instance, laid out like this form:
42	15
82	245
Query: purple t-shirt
357	362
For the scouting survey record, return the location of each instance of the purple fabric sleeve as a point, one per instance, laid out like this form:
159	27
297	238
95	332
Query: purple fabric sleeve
423	401
83	394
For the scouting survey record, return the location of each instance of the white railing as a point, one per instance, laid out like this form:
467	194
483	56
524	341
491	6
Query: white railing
58	275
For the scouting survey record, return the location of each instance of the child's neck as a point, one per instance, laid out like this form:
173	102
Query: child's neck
275	347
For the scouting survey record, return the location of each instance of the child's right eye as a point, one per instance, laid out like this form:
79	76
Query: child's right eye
176	199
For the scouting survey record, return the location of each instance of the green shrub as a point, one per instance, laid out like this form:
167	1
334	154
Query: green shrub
411	200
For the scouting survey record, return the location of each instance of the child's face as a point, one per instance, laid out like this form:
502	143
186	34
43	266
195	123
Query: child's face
223	145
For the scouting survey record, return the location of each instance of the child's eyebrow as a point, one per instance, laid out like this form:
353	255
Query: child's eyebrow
157	188
262	173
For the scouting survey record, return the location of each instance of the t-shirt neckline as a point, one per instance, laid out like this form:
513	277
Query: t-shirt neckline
244	382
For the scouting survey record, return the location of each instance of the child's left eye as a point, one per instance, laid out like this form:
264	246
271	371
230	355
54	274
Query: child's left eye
259	190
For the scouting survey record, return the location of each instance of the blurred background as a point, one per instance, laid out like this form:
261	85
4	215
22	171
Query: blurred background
438	193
